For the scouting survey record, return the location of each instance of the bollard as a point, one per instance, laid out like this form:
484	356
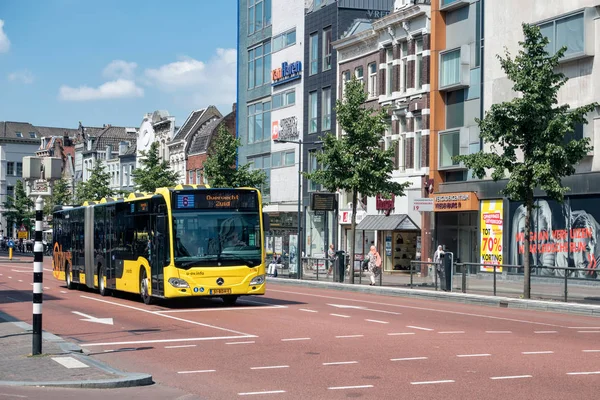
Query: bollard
10	253
38	278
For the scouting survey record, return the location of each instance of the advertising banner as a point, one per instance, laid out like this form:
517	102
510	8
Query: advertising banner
492	220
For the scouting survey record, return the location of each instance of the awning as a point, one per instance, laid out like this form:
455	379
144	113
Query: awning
394	222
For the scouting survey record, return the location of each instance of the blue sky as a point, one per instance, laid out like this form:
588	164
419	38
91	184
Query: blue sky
111	62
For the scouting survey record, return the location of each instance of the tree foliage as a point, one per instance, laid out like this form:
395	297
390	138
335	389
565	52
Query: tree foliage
61	195
20	209
531	137
96	187
220	169
355	162
153	172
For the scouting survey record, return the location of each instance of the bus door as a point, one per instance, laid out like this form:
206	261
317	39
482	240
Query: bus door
109	245
158	253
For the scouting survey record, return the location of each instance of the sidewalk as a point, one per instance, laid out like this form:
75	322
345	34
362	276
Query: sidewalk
62	364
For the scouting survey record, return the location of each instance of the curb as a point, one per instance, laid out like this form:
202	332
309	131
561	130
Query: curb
494	301
126	379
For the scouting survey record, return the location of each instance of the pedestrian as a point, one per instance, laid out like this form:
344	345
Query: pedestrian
374	264
331	256
438	259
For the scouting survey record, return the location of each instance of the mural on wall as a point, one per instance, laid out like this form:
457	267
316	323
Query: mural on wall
562	236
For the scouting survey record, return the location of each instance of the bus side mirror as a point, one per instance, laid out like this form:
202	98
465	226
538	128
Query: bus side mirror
266	222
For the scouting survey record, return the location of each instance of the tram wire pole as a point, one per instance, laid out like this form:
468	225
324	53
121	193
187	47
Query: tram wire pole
38	278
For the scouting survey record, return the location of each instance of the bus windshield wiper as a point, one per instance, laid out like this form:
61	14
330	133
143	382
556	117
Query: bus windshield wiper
248	262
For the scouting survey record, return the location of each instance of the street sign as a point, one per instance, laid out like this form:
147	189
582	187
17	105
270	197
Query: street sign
423	205
22	235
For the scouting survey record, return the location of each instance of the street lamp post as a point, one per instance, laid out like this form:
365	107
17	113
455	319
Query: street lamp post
298	246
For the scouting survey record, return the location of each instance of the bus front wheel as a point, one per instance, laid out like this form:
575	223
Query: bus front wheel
144	290
101	281
68	279
230	300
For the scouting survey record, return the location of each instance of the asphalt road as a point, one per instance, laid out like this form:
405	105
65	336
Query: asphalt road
303	343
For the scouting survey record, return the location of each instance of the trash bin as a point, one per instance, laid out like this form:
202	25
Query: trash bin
341	265
446	283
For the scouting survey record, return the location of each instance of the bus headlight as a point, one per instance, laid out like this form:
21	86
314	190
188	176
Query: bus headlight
258	280
178	283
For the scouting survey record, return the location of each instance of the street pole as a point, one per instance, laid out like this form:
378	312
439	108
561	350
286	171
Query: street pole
38	278
298	246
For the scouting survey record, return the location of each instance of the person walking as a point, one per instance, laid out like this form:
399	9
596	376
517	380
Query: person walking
331	257
374	262
438	259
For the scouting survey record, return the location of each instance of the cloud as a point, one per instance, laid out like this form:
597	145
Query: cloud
23	76
4	42
210	82
119	89
119	69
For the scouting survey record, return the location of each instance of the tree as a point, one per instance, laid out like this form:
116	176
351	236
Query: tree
219	167
19	209
96	187
531	124
153	172
61	195
355	162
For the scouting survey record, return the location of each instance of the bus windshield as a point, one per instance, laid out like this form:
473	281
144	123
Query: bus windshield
206	238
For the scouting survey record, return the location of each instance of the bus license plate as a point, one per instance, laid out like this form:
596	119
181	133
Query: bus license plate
220	291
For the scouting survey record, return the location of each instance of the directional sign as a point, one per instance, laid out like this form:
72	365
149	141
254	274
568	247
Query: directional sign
423	205
89	318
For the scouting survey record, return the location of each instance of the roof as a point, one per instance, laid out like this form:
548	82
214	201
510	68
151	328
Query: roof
394	222
9	129
113	135
359	25
53	131
189	124
202	139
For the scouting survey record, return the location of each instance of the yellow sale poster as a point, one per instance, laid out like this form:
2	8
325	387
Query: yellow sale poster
492	219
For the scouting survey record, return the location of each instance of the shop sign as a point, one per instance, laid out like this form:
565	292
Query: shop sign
345	217
466	201
383	204
423	205
286	73
285	129
492	223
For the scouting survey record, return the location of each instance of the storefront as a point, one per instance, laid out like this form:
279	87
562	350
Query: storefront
282	238
456	222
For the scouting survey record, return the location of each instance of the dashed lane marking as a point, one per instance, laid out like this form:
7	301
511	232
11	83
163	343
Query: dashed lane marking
247	342
64	291
432	382
163	341
70	362
376	321
341	363
349	387
197	372
348	336
591	351
220	309
259	393
498	332
419	328
307	310
400	333
340	315
450	332
584	373
20	280
408	359
181	346
511	377
271	367
545	331
584	327
588	331
473	355
295	339
537	352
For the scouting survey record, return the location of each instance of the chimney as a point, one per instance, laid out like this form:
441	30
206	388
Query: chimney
234	107
122	148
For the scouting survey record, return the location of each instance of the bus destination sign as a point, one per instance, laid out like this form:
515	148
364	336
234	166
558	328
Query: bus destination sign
217	200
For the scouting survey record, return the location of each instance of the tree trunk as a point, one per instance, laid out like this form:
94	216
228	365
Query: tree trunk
526	252
353	235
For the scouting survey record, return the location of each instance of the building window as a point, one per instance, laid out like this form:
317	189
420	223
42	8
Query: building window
326	109
449	147
284	40
290	158
259	122
191	177
345	79
313	166
284	99
403	66
455	109
259	15
403	127
259	65
566	31
372	80
199	176
10	168
314	53
358	73
263	163
32	135
19	169
418	150
19	134
389	72
450	68
276	159
312	112
326	49
419	64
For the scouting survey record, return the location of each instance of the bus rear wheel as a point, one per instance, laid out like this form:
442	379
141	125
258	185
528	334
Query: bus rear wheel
144	291
101	282
230	300
68	279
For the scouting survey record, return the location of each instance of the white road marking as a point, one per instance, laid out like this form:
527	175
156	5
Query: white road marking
70	362
89	318
295	339
248	342
363	308
511	377
376	321
591	351
162	341
400	333
341	363
493	332
473	355
340	315
348	336
408	359
169	316
10	277
307	310
545	331
350	387
537	352
219	309
46	288
450	332
584	327
588	331
64	291
419	328
197	372
11	298
181	346
584	373
431	382
265	392
20	280
271	367
417	308
18	396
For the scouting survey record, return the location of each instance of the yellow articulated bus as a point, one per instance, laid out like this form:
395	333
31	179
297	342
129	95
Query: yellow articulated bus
176	242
